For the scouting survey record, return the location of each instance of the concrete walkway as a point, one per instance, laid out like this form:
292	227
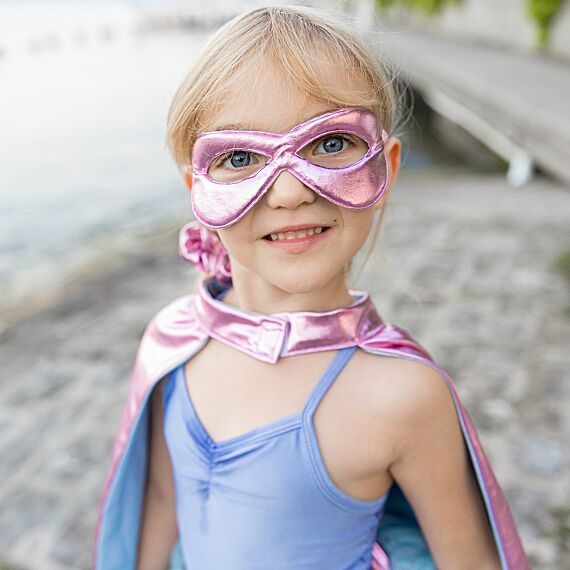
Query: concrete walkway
515	102
467	270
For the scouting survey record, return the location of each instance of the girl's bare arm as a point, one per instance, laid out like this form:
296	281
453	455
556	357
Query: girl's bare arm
433	470
158	530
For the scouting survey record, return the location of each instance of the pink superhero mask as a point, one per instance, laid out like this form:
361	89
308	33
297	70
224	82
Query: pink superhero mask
354	177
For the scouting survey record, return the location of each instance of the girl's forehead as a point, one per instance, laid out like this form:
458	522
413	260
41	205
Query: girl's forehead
267	126
271	107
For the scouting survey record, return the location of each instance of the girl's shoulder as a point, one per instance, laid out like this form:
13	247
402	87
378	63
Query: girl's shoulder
397	402
407	391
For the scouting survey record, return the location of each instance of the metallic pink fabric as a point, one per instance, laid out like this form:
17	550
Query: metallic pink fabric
182	328
357	186
204	250
268	337
379	559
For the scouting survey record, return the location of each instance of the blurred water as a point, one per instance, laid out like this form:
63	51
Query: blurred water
82	153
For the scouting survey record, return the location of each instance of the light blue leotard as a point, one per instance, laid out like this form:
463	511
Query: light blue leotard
263	499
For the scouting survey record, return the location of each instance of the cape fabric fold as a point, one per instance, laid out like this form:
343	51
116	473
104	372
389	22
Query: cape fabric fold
175	335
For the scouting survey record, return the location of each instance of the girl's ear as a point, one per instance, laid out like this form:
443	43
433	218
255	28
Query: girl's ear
393	150
188	180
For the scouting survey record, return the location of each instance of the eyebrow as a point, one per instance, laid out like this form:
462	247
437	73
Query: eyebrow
238	127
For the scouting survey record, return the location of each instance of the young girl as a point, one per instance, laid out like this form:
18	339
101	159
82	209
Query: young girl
274	420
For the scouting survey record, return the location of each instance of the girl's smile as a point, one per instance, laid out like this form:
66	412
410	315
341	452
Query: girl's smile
297	239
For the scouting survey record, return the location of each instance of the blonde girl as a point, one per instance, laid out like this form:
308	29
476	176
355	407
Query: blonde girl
274	420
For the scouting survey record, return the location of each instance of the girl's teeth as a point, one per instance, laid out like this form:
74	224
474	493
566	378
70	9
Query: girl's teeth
296	235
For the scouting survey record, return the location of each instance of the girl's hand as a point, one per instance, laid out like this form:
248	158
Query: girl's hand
434	471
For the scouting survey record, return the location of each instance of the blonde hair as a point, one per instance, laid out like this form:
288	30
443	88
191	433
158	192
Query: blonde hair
285	34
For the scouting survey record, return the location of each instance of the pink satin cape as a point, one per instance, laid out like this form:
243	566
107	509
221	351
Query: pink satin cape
179	331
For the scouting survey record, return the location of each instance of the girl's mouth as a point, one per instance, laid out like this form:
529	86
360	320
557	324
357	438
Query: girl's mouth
297	241
294	235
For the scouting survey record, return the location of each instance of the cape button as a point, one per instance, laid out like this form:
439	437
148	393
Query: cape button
270	339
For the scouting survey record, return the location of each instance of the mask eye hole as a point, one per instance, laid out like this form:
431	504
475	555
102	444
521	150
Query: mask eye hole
335	150
235	165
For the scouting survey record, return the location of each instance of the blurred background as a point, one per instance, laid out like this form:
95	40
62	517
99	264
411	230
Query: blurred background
473	258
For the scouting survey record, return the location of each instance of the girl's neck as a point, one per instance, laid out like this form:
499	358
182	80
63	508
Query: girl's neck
262	297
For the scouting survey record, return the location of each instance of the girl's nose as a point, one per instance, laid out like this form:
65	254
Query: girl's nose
287	191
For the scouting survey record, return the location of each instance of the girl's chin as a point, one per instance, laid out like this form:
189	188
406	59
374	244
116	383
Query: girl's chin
299	284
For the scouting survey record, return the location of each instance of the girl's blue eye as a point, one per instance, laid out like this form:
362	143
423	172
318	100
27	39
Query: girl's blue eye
237	158
235	165
334	143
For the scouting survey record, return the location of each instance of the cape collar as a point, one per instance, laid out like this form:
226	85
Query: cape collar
267	337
